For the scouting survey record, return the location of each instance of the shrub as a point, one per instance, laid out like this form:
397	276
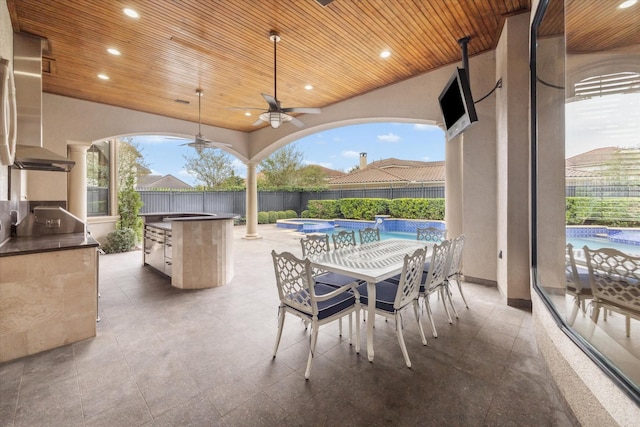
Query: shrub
121	240
273	217
291	214
282	215
263	218
328	209
417	208
610	211
305	214
363	208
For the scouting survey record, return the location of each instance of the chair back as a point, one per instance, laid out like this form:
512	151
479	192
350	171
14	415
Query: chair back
574	284
369	235
438	266
295	282
455	255
314	244
431	234
344	239
614	277
409	286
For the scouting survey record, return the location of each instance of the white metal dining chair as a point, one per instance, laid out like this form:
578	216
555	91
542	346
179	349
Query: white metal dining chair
318	244
344	239
435	281
369	235
578	284
313	302
455	267
431	234
314	244
615	283
392	298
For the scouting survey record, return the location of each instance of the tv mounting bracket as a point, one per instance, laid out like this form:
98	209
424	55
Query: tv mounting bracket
463	42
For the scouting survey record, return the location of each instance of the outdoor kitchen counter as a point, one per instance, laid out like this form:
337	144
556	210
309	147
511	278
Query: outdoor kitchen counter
48	292
55	242
197	247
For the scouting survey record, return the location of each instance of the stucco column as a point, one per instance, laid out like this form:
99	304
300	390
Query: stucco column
77	180
252	203
453	187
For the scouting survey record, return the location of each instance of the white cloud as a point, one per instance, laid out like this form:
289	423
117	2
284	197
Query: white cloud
351	154
184	172
155	172
426	159
313	162
422	127
239	168
390	137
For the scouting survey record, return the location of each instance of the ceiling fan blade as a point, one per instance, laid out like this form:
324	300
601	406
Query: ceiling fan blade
302	110
245	108
273	104
297	122
258	122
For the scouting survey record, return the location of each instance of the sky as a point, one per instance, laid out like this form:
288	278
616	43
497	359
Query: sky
337	148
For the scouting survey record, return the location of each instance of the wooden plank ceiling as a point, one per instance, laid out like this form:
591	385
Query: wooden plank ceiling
223	47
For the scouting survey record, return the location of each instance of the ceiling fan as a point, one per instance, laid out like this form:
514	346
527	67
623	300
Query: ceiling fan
276	115
200	142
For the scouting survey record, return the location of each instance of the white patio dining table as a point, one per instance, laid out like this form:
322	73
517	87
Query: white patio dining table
371	262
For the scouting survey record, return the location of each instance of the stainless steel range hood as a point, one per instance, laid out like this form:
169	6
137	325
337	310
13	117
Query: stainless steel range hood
27	70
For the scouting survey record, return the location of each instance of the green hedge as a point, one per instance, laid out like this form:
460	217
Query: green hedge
366	209
417	208
263	218
291	214
328	209
273	217
610	211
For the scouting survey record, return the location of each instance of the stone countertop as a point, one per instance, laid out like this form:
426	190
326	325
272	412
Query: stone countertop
55	242
153	218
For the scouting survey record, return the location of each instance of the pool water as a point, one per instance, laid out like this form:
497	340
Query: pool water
577	242
597	243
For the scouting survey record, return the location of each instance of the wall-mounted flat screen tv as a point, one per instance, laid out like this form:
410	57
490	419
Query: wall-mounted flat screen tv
456	104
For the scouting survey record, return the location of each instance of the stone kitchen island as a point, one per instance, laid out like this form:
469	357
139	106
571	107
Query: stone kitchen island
194	249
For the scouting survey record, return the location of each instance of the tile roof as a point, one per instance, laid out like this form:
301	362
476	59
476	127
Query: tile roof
150	182
390	171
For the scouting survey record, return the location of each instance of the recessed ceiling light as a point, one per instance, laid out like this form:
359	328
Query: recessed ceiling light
113	51
131	13
626	4
247	113
103	76
308	87
385	54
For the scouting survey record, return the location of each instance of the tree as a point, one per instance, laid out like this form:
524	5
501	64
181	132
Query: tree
130	162
211	168
312	176
281	169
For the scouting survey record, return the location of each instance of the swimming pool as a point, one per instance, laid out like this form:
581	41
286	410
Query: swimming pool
577	242
597	243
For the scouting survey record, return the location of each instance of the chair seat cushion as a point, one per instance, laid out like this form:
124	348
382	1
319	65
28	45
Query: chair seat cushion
336	280
385	295
331	306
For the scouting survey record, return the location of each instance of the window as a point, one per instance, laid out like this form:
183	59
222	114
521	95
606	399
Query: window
98	172
586	186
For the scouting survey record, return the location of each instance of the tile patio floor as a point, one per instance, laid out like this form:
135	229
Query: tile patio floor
168	357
